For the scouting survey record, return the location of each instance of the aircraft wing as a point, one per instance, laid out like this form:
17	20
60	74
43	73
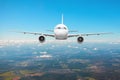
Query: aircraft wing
89	34
35	33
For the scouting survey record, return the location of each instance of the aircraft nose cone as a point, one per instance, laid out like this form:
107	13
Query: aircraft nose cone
61	34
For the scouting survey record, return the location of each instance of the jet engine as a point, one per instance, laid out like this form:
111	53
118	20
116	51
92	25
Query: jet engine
80	39
42	39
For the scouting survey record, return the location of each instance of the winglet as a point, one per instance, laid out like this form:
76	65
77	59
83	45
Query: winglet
62	19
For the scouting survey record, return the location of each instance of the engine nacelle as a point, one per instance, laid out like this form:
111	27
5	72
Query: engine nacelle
80	39
42	39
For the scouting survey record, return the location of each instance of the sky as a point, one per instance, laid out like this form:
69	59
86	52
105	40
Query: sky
86	16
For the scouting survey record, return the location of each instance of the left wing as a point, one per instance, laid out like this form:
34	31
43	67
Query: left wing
89	34
35	33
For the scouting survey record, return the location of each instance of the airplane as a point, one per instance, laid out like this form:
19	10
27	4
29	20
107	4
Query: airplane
61	32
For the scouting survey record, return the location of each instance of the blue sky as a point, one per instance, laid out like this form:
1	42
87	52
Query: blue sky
86	16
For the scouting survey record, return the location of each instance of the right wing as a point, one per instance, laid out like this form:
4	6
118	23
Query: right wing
89	34
35	33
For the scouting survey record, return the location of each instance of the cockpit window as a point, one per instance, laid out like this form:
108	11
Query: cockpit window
59	27
64	27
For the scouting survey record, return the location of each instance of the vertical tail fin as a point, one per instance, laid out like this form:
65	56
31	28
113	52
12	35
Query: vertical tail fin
62	19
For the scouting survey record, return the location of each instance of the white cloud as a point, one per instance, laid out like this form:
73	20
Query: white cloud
84	48
44	52
95	49
45	56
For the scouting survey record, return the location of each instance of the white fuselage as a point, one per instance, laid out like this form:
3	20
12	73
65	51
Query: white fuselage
61	32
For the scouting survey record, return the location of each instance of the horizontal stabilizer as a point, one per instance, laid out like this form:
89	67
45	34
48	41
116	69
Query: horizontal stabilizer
50	30
73	31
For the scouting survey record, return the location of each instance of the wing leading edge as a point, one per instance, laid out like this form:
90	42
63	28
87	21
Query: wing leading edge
35	33
89	34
